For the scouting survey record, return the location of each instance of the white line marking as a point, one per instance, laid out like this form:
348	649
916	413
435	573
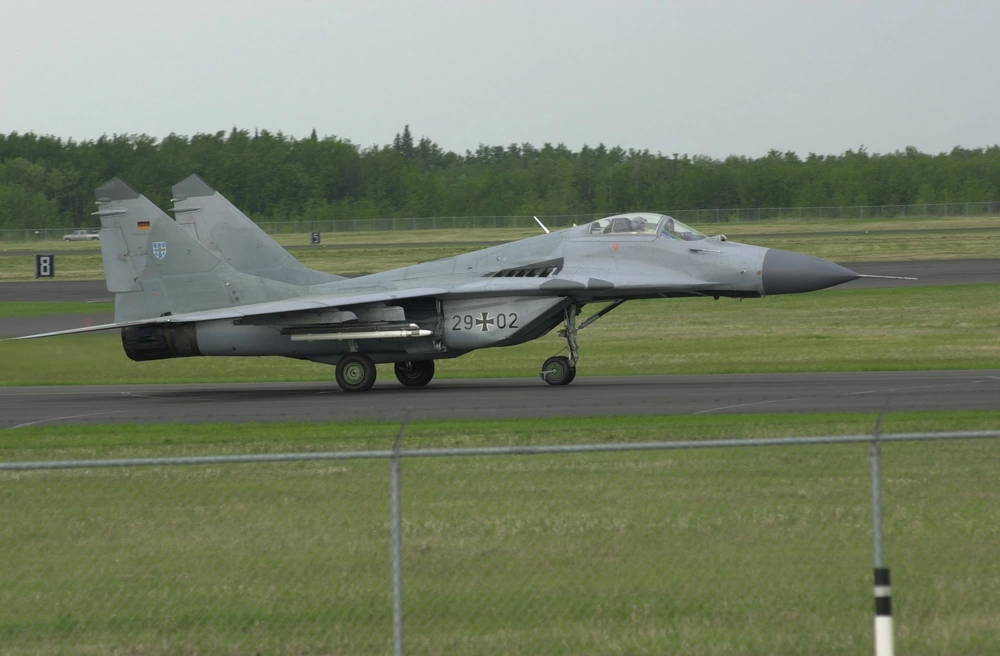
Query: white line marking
44	421
889	390
744	405
912	388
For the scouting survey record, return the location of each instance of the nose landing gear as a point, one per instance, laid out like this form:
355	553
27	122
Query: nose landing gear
559	369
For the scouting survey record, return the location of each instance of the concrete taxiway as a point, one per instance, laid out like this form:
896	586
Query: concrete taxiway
503	398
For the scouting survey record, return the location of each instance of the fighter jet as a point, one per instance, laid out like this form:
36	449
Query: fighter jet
211	282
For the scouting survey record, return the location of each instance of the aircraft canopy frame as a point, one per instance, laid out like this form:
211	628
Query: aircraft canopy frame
649	224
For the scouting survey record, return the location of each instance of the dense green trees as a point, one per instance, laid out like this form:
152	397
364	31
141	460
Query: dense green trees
48	181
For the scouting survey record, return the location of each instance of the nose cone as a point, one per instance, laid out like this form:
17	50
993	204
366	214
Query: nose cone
788	272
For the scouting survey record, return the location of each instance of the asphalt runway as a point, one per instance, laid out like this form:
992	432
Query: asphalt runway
78	291
503	398
927	272
498	398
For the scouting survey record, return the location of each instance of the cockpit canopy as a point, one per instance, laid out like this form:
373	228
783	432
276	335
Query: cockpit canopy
644	223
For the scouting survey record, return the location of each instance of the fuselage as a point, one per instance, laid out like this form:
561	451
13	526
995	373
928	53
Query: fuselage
515	292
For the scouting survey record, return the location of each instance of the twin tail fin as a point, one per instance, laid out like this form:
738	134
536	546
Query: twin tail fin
226	231
156	267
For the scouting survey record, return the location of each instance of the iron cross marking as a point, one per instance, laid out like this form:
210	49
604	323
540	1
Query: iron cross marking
484	321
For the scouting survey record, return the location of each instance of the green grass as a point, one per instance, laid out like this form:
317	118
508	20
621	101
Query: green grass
852	241
430	236
750	551
84	266
951	327
46	308
141	440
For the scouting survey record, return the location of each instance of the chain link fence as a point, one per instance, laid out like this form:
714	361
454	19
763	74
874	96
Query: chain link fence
614	549
693	216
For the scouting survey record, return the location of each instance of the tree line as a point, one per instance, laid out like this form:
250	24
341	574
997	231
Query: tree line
49	181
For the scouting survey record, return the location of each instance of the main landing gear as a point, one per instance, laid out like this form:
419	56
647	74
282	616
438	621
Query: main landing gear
559	369
356	372
416	373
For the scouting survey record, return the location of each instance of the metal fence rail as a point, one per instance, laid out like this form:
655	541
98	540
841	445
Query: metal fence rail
407	543
494	451
695	216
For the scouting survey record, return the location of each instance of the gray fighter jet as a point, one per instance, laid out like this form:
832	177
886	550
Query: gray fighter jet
211	282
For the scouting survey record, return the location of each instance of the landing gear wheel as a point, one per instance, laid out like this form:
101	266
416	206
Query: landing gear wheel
557	370
355	373
415	373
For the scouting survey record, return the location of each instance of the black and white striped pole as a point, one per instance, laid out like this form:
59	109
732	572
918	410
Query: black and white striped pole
883	592
396	534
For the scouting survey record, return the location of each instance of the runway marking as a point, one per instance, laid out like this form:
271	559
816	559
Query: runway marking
41	391
744	405
890	390
48	419
911	388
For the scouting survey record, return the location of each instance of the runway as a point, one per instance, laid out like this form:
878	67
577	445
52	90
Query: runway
503	398
498	398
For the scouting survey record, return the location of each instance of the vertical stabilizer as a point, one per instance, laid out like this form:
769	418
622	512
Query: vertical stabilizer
156	267
126	218
224	229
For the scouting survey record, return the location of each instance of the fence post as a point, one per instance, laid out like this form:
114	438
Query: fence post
883	592
397	549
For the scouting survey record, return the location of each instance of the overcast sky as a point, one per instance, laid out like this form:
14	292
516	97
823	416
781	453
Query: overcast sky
711	77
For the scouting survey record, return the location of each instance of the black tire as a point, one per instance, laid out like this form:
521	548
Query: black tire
557	370
414	373
355	373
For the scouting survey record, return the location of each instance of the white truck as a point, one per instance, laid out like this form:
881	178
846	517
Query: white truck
82	235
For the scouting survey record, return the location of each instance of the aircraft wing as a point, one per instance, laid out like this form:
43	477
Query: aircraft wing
298	304
575	285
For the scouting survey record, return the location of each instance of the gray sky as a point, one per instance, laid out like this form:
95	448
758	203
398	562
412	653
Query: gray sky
712	77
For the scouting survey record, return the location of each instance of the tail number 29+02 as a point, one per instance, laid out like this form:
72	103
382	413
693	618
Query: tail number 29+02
484	321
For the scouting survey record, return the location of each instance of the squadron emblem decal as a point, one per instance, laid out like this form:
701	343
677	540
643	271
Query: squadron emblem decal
159	249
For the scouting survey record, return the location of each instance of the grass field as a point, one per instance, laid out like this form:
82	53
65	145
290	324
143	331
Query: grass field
763	551
952	327
158	440
844	241
48	308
